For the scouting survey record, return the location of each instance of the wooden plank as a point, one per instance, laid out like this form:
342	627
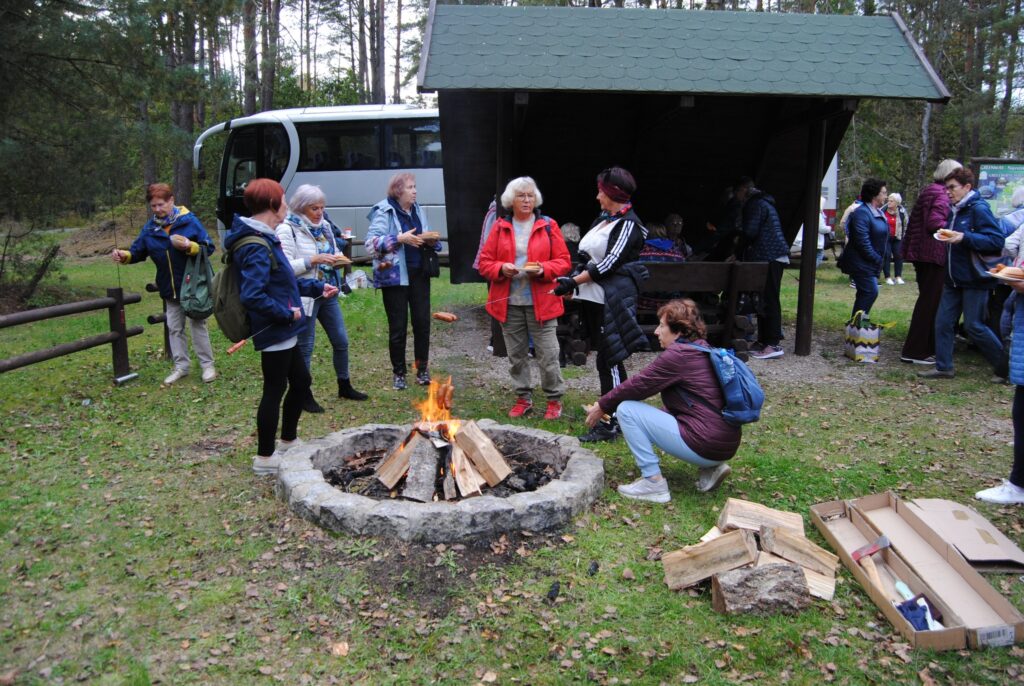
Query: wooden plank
467	478
821	585
422	475
695	563
798	549
743	514
482	452
395	465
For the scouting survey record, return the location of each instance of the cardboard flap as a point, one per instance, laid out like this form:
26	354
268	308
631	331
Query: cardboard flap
981	543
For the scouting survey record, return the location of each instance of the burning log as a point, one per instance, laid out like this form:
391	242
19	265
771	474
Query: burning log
482	452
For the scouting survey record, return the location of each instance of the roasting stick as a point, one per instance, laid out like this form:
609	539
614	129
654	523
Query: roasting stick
237	346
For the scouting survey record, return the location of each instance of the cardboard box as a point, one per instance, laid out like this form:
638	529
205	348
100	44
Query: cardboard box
973	613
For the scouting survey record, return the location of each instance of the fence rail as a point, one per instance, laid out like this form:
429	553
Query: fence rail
117	337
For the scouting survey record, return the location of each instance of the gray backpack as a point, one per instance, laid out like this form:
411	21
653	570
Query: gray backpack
232	317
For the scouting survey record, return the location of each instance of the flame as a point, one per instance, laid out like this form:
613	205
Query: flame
436	409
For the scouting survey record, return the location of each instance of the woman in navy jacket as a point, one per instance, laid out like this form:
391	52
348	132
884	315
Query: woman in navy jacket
867	233
273	299
169	238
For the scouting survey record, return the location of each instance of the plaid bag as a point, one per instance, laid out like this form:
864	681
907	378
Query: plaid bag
862	339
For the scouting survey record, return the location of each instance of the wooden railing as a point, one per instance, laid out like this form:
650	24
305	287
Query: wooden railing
117	337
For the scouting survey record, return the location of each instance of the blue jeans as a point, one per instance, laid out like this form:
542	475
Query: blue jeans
644	427
867	292
973	302
328	313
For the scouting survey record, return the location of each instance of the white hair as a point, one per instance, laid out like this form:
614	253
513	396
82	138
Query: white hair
304	197
521	184
945	168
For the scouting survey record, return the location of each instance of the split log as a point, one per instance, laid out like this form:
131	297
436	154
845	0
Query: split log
760	590
743	514
395	465
467	478
821	585
799	550
482	452
695	563
422	475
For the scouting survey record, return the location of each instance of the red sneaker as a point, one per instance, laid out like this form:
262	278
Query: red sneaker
554	410
522	406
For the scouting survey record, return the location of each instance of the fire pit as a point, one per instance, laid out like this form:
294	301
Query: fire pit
578	481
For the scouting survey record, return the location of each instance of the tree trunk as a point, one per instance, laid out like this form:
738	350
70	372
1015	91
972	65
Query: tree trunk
249	41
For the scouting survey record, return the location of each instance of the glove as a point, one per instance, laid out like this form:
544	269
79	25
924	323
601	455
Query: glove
566	285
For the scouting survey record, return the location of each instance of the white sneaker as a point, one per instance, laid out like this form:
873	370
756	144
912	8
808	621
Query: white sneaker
890	282
900	281
645	489
266	466
711	477
176	375
209	374
1005	493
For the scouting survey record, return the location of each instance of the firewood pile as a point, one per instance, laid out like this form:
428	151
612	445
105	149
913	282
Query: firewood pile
758	560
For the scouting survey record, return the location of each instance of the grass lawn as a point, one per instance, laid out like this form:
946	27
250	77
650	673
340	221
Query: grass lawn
137	547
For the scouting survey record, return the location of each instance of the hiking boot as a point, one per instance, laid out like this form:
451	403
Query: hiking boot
1005	493
768	352
602	431
554	409
209	374
423	377
711	478
176	375
266	466
311	405
522	406
645	489
913	360
399	383
345	390
937	374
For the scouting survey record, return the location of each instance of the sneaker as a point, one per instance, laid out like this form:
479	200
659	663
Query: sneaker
913	360
1005	493
711	478
937	374
176	375
645	489
209	374
423	377
768	352
399	383
554	409
266	466
900	281
890	282
522	406
602	431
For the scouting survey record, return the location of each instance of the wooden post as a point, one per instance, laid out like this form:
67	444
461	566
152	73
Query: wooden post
119	346
809	251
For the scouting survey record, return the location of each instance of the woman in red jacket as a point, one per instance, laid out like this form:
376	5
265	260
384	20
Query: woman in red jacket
521	259
690	427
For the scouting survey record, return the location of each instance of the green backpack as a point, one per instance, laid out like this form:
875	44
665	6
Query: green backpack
232	317
195	298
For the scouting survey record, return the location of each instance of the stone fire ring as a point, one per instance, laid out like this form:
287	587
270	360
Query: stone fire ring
300	483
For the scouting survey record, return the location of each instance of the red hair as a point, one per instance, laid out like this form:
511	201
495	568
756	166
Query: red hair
262	195
160	191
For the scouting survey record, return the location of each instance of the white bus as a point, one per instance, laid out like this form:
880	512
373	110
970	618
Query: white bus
350	152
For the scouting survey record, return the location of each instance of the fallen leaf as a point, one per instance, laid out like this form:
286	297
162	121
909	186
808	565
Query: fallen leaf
339	649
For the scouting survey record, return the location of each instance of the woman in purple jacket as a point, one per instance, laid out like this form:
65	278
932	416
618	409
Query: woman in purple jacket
690	427
929	258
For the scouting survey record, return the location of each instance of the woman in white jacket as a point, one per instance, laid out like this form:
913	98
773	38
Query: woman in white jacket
314	251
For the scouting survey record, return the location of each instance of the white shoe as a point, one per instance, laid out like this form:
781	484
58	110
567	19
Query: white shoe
890	282
209	374
176	375
900	281
711	477
266	466
1005	493
645	489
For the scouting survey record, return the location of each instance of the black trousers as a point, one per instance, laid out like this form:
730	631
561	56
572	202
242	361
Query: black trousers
399	303
283	370
593	321
769	318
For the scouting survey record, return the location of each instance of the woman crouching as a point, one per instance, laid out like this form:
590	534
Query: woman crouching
691	427
272	296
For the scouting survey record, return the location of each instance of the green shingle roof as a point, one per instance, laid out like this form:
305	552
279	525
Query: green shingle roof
673	51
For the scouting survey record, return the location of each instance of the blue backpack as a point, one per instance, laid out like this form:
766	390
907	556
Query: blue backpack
743	395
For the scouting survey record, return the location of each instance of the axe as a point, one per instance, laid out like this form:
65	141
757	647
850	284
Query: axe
862	556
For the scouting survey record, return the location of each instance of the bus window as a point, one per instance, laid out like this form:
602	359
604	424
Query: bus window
338	146
240	161
416	143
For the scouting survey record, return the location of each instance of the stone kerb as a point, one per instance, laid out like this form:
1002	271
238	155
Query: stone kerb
301	484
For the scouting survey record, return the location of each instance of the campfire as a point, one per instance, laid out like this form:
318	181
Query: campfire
442	458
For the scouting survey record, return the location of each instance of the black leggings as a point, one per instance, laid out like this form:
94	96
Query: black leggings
282	370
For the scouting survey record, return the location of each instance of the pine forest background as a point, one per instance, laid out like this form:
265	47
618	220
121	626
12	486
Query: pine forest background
101	97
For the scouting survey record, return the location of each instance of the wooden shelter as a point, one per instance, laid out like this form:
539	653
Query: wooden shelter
686	100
